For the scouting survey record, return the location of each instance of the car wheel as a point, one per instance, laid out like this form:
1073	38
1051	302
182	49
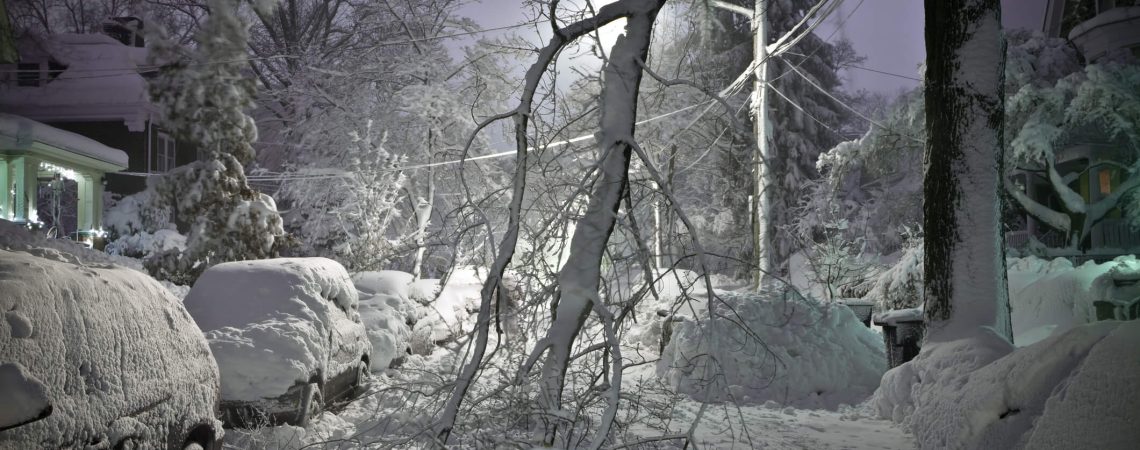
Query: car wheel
312	403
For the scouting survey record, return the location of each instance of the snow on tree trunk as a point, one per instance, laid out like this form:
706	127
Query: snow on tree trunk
965	273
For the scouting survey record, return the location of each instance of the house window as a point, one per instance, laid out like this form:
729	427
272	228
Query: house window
28	74
1105	178
166	152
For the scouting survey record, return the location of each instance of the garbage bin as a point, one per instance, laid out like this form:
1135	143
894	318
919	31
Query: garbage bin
903	331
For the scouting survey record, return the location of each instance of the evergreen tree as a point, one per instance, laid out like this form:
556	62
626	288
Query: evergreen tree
203	98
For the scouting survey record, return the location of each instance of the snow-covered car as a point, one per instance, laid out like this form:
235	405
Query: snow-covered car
286	334
99	356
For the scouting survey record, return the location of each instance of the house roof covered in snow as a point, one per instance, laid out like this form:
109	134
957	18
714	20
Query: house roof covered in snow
21	133
100	81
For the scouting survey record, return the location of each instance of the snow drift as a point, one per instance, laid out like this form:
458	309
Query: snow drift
1051	297
1078	389
791	350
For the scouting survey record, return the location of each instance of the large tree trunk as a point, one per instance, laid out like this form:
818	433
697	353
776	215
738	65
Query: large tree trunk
964	260
578	281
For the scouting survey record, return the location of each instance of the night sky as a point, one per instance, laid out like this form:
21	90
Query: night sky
888	32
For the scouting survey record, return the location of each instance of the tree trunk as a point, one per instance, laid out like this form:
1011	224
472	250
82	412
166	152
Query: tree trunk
965	273
579	279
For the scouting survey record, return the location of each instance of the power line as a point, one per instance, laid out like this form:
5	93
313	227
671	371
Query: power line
845	105
882	72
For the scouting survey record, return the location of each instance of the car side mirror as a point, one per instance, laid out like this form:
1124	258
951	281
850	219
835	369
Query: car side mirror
43	414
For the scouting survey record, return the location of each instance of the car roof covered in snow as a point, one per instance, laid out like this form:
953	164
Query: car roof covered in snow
235	294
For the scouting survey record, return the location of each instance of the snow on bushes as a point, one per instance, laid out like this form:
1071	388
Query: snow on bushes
1078	389
269	322
787	349
386	310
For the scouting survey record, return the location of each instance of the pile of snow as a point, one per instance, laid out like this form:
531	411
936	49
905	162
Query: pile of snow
787	349
1050	297
1078	389
269	321
386	309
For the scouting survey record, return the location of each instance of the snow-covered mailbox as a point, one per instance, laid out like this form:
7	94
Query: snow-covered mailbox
903	331
31	151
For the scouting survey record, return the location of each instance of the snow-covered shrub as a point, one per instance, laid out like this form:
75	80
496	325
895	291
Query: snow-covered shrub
900	286
787	349
204	97
837	261
345	202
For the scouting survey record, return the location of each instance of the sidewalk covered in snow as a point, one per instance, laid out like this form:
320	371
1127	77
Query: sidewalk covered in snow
30	151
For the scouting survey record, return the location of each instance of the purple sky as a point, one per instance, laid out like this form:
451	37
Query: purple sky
888	32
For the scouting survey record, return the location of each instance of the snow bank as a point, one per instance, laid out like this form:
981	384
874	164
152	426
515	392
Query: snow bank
1079	387
1050	297
269	322
386	310
795	352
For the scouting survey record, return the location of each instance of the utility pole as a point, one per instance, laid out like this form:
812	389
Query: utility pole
760	203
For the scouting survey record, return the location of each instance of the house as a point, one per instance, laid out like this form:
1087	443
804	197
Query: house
95	85
1090	166
40	162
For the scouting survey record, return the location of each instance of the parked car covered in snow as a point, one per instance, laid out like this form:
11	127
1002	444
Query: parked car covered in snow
286	334
99	356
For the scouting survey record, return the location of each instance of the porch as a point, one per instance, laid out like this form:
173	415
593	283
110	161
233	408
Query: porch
35	155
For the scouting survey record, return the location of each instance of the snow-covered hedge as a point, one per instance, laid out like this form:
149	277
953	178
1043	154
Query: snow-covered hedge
793	351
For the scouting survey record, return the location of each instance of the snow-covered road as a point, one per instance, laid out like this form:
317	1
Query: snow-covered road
365	423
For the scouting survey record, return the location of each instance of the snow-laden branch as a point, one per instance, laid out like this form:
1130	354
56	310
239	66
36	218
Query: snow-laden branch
1054	219
1071	199
641	14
